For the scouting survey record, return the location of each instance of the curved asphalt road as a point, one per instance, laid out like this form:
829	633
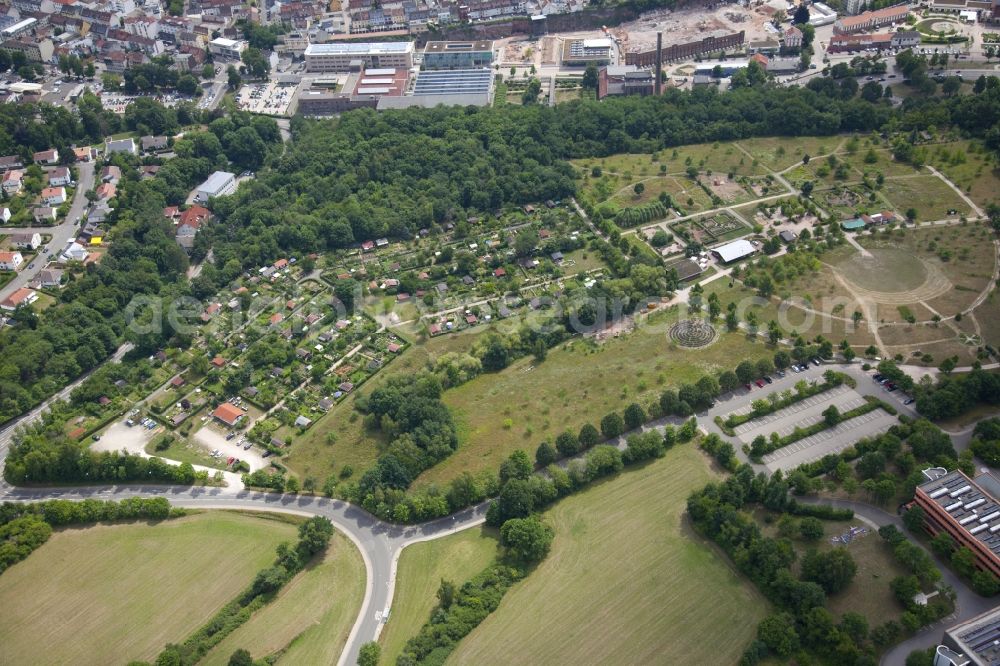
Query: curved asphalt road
381	543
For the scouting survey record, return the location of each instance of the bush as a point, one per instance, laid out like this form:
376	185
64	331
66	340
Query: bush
526	539
545	454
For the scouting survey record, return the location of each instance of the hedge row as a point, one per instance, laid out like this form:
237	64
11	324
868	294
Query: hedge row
26	526
763	407
762	447
314	536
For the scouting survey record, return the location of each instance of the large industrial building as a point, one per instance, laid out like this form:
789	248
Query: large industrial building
462	87
338	56
458	55
871	20
363	88
962	507
975	642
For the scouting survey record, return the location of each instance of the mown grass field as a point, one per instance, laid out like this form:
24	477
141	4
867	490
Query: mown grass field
422	566
312	615
108	594
626	582
579	382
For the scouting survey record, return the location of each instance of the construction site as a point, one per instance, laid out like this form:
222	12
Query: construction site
680	28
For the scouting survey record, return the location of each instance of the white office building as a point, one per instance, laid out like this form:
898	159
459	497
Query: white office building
227	49
338	57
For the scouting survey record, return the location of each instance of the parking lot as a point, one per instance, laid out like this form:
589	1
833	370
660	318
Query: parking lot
270	98
834	440
807	413
800	414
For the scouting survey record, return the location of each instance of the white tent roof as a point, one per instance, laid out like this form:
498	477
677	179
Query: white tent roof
735	250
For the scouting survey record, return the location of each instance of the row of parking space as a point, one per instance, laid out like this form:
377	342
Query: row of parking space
852	403
830	441
800	406
787	421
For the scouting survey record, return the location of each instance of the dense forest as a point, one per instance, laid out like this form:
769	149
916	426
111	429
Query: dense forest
371	174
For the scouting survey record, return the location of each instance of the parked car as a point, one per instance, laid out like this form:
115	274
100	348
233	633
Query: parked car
815	361
909	401
230	436
230	460
877	377
748	387
780	373
768	379
96	438
760	383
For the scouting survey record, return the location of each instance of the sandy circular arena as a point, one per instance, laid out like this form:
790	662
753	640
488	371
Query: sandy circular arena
920	281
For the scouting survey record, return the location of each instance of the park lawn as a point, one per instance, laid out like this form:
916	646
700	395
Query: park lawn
679	187
581	261
422	567
929	195
719	158
311	616
884	164
111	593
353	445
967	165
779	153
988	316
869	592
579	382
968	248
627	581
791	316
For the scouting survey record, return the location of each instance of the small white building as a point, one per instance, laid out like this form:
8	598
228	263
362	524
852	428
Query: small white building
59	177
11	261
26	241
120	146
54	196
74	252
219	184
5	214
22	296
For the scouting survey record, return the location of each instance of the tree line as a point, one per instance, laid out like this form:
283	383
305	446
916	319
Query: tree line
314	537
25	526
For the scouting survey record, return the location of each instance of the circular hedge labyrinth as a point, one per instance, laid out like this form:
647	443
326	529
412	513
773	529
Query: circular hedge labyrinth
692	333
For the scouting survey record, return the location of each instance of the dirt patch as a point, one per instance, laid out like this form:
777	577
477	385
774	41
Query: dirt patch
725	189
